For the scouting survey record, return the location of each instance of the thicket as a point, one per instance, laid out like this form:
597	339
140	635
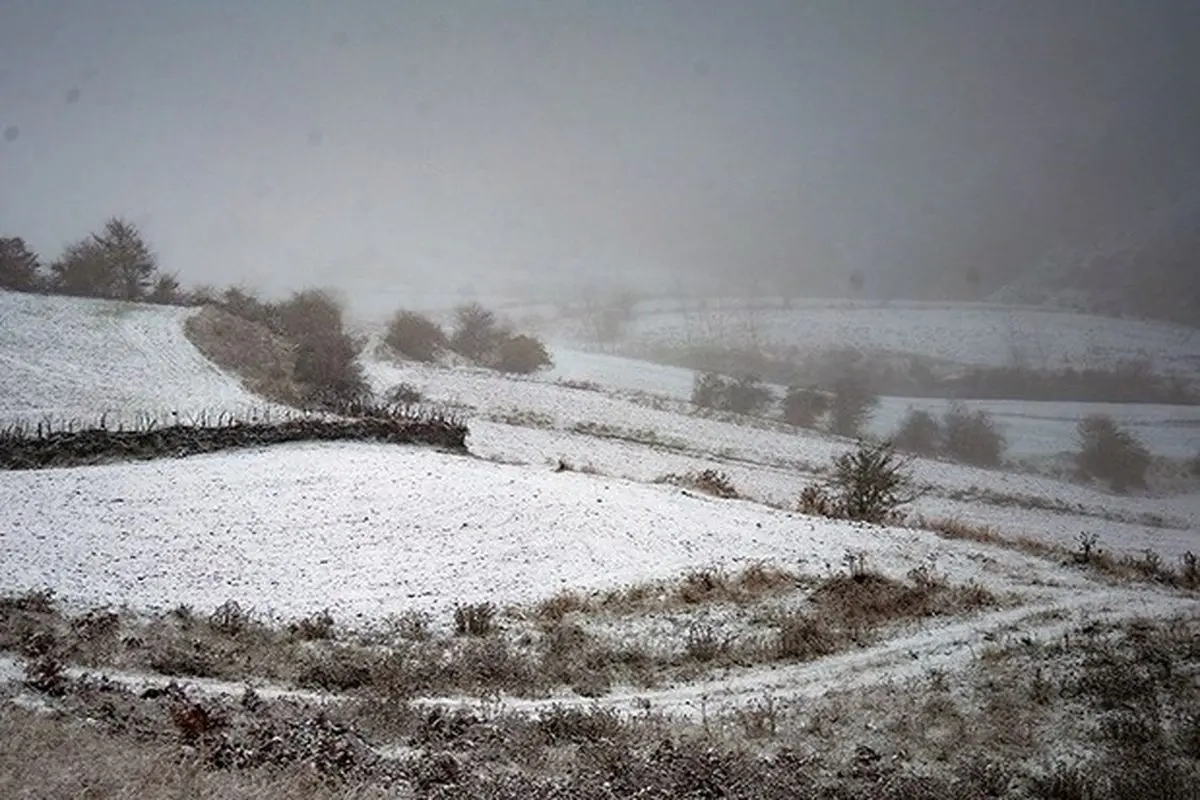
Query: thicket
478	336
743	395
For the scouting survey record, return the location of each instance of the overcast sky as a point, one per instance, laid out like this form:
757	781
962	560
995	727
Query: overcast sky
282	142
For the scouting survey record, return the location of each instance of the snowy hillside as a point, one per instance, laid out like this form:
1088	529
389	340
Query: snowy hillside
76	359
964	333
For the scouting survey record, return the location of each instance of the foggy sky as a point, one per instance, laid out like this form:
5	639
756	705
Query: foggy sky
279	142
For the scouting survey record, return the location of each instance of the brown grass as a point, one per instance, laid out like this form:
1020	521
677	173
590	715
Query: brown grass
709	481
46	758
264	361
1144	567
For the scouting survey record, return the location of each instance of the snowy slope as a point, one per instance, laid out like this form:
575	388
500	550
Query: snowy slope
76	359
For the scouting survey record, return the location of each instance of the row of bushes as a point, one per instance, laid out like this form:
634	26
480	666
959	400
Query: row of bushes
478	336
960	435
843	410
39	447
1130	381
1106	451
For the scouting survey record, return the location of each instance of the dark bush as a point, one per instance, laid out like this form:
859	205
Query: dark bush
474	619
971	438
328	372
744	395
310	314
1110	453
415	336
522	354
477	333
804	407
920	434
852	404
19	267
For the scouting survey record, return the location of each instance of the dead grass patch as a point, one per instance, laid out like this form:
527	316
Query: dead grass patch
1144	567
709	481
264	361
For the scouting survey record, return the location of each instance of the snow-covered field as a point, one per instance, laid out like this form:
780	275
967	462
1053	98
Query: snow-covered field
371	530
960	333
74	359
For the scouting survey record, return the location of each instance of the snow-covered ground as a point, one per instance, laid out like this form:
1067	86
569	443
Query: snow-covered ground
960	333
70	359
371	529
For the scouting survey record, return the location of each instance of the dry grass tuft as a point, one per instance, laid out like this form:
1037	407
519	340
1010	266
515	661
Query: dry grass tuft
710	481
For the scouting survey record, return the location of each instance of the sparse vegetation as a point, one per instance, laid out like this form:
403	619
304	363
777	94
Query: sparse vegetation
1110	453
415	336
709	481
1122	695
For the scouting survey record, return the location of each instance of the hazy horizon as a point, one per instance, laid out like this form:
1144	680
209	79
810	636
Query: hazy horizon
371	145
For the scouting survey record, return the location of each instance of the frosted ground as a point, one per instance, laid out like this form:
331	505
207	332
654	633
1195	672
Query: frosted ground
370	530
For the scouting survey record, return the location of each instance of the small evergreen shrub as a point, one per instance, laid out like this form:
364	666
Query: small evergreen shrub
1110	453
869	484
708	388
